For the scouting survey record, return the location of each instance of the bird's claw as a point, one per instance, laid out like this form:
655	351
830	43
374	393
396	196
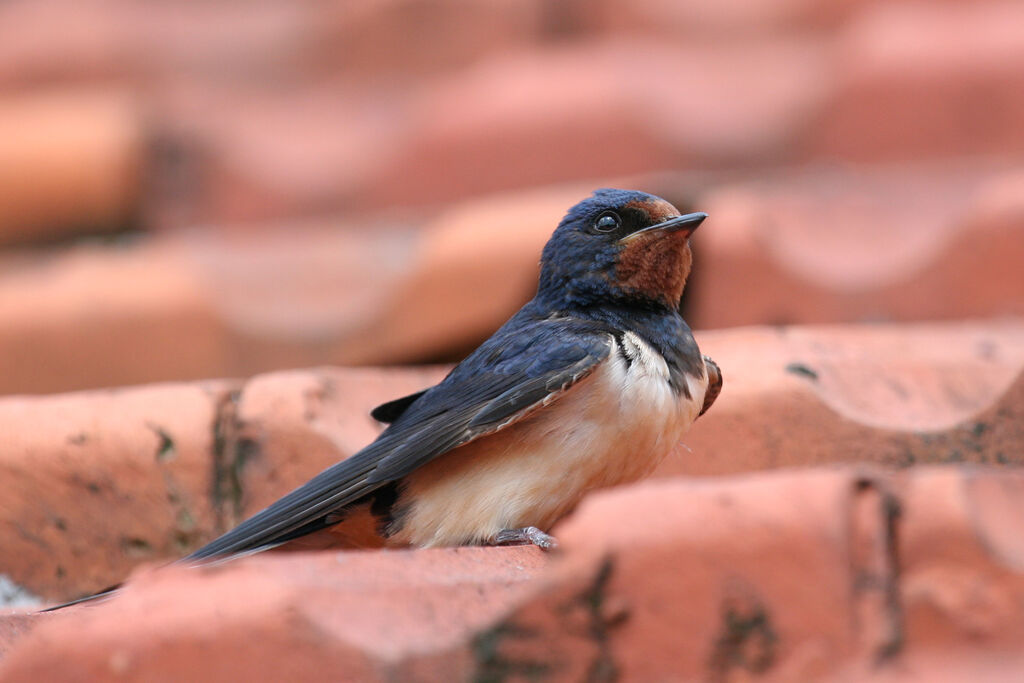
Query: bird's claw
529	535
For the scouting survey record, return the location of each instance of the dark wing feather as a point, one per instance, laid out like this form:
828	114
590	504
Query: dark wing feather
524	365
482	416
392	410
530	393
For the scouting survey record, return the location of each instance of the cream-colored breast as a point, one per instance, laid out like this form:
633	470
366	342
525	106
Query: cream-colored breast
612	427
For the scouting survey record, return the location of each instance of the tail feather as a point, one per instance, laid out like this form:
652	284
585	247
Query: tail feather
105	593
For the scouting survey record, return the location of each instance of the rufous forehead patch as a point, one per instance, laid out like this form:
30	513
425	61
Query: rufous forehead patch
658	209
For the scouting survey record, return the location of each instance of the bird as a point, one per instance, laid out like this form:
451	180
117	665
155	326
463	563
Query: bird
590	384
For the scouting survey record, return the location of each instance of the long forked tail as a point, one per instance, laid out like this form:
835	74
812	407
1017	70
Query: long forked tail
191	560
105	593
309	508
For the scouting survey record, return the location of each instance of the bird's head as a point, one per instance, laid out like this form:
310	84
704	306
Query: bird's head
619	246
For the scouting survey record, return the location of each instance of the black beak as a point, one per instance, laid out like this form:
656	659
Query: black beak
686	224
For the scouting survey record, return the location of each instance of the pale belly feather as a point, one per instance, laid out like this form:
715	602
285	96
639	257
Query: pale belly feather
610	428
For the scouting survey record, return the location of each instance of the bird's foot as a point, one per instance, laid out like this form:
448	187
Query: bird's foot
529	535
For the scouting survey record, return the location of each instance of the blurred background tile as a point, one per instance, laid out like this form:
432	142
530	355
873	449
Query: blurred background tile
263	185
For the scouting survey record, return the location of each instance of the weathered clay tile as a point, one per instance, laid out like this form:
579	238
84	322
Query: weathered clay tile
351	616
14	623
531	118
525	118
229	304
836	574
894	395
477	263
896	578
508	102
717	21
947	244
755	576
925	80
288	158
96	483
403	40
960	560
228	42
860	244
93	318
40	45
71	161
941	244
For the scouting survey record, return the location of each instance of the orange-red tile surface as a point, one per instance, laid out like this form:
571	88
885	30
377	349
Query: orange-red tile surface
207	455
828	574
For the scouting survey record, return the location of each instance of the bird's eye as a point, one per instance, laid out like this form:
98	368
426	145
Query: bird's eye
607	222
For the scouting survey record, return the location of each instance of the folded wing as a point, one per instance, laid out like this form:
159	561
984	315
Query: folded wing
525	365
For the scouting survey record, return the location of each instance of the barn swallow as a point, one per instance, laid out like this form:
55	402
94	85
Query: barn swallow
591	384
